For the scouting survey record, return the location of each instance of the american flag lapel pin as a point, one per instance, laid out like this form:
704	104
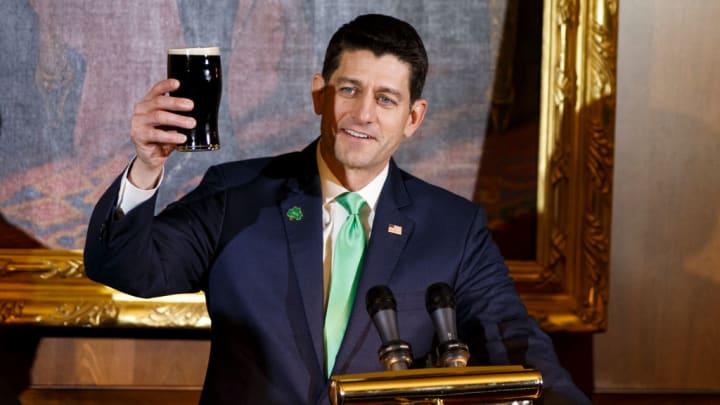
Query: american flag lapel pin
395	229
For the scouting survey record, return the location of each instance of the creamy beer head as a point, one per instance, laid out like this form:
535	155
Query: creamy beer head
199	73
206	51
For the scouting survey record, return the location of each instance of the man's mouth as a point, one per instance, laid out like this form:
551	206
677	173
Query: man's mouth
356	134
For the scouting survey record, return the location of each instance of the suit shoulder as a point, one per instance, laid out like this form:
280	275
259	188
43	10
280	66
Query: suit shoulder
222	177
240	172
425	192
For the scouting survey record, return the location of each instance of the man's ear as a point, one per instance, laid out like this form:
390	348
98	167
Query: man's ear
417	114
318	87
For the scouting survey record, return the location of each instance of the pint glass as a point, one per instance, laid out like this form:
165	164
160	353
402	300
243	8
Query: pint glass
199	73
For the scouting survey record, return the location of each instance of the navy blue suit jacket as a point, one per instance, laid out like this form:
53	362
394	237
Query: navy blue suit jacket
261	271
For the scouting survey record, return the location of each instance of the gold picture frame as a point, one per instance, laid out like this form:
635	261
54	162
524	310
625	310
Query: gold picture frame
565	287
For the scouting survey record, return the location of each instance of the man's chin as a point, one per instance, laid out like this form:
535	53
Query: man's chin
353	158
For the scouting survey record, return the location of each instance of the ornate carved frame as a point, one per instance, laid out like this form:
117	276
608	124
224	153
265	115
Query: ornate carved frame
566	287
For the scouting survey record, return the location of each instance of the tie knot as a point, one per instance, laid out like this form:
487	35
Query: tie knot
352	202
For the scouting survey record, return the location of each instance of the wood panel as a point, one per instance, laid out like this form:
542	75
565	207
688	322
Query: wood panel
188	397
655	399
120	362
80	360
109	397
663	329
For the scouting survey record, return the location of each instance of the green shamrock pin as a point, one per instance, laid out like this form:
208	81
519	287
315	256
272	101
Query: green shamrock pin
295	213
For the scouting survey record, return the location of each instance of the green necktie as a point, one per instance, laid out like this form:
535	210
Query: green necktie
346	263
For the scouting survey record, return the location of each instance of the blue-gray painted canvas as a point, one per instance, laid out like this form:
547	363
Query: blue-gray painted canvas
72	70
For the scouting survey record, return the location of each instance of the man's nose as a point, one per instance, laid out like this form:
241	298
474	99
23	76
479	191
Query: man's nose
366	108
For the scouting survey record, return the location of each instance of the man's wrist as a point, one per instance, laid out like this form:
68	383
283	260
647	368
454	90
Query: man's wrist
142	176
130	195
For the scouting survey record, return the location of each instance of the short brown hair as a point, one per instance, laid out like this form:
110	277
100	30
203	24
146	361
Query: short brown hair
380	34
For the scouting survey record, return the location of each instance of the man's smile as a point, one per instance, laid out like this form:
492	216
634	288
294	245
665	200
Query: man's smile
356	134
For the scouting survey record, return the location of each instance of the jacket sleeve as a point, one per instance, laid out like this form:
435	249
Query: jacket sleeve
146	255
494	322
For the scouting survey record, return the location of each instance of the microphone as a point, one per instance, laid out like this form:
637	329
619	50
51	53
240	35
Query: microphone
440	304
394	353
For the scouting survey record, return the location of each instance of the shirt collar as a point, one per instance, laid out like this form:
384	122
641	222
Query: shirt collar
331	186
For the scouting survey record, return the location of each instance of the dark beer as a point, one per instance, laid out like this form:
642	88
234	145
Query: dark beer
199	73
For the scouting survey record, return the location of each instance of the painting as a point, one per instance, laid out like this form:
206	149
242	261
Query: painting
78	68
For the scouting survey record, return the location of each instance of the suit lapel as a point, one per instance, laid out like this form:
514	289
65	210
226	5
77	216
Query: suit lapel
302	215
390	232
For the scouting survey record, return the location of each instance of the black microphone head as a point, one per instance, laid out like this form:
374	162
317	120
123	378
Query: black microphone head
379	298
439	295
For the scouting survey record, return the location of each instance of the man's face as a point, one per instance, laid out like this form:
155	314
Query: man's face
366	114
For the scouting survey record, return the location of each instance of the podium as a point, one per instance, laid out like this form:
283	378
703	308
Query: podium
462	385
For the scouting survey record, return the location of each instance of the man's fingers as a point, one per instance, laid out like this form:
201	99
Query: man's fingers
162	102
157	99
158	136
160	118
159	127
162	87
156	121
167	137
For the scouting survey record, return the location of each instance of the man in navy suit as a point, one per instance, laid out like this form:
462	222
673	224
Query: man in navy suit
257	236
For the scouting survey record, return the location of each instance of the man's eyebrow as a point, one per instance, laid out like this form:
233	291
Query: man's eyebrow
391	91
345	79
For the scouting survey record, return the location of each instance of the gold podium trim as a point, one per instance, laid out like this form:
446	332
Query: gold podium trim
437	385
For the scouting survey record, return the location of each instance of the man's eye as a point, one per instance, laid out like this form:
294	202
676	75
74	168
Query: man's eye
385	100
348	91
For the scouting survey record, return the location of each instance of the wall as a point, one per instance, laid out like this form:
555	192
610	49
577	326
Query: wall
664	306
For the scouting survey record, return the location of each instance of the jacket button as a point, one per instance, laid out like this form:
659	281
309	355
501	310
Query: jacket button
103	229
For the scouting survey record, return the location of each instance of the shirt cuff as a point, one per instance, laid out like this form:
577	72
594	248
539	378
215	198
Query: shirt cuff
130	196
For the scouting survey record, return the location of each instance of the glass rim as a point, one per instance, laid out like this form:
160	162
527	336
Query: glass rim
207	50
